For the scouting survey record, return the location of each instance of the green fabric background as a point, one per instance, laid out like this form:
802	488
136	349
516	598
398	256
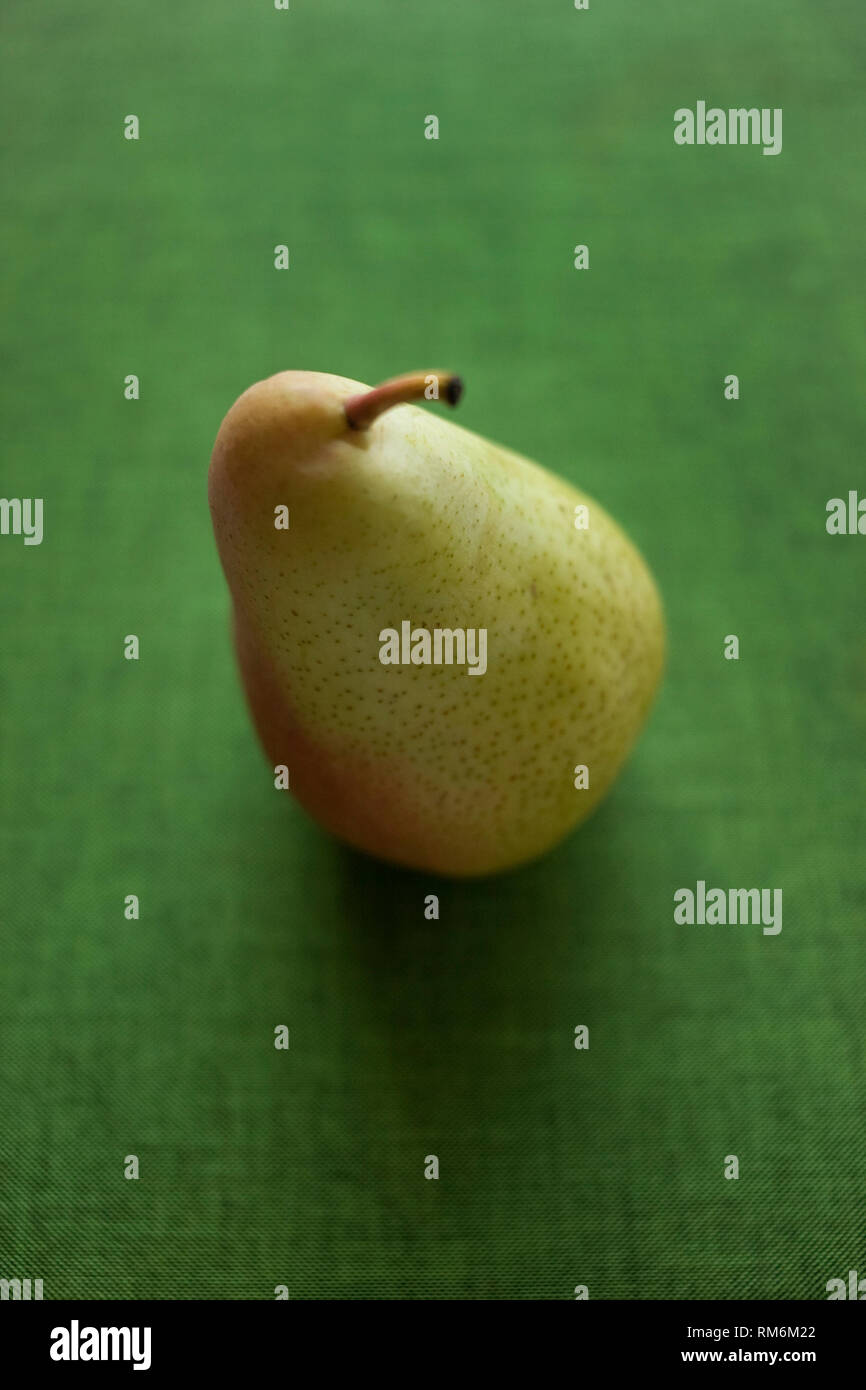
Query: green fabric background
410	1037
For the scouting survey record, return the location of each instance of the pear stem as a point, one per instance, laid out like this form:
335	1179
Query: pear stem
363	409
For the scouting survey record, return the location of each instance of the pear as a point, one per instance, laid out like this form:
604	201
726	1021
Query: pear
352	526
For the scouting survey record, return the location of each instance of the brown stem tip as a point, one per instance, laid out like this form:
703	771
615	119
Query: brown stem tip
363	409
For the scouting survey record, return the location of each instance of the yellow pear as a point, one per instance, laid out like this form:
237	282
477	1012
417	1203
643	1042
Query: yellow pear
449	648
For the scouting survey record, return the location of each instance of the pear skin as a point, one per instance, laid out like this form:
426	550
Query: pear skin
397	514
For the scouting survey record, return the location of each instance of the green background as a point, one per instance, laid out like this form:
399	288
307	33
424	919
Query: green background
558	1167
